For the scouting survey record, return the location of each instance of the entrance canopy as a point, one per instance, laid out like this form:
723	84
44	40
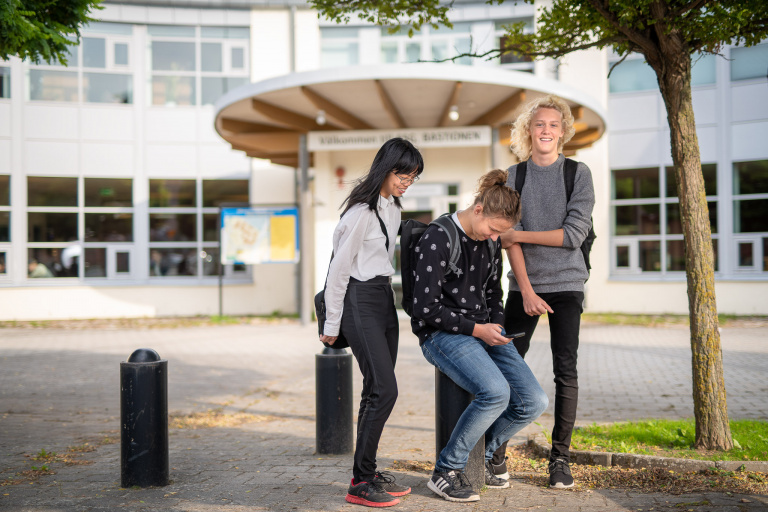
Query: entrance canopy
265	119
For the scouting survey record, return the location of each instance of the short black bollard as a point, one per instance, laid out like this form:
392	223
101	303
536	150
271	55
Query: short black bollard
144	420
333	401
450	402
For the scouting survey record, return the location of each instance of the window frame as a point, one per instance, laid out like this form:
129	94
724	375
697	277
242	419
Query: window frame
81	210
197	74
498	35
110	68
756	238
662	200
202	247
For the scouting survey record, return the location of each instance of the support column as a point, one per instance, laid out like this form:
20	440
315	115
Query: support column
306	228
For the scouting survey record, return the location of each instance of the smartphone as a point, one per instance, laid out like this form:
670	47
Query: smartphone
514	335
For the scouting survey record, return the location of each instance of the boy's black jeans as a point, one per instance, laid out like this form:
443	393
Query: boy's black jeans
564	326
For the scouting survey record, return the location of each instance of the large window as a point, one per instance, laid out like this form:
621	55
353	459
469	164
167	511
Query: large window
97	70
513	60
5	82
339	47
750	215
183	225
72	233
5	223
634	74
748	63
647	230
429	44
196	65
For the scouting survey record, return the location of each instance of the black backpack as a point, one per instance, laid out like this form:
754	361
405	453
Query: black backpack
569	176
410	234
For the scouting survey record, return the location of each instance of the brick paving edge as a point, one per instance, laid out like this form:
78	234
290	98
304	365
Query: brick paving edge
631	461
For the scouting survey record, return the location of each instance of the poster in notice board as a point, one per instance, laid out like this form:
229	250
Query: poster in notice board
252	236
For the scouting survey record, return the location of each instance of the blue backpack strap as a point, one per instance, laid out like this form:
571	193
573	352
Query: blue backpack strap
444	221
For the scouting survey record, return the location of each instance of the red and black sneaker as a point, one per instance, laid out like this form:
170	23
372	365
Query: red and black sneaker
387	482
369	494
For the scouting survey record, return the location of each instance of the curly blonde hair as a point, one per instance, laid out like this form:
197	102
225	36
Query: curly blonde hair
521	130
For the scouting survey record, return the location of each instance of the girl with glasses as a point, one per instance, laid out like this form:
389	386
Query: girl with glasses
360	304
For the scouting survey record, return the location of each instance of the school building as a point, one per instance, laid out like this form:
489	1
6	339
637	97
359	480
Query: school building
113	168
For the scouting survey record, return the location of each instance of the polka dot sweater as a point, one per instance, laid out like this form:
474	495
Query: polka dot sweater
454	303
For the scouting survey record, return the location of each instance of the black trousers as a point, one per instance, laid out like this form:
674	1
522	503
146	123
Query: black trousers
564	326
369	323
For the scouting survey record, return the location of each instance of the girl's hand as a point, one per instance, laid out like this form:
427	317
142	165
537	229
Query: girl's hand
490	334
328	339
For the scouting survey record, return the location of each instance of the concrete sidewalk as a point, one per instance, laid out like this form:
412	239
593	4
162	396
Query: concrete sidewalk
60	388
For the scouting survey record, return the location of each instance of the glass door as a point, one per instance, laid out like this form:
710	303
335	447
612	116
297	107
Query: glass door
119	262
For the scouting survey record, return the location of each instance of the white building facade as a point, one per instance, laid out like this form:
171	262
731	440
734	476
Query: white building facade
112	170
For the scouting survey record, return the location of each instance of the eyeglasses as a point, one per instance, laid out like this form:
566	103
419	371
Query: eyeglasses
406	180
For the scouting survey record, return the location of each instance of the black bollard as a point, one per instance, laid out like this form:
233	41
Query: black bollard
144	420
333	401
450	402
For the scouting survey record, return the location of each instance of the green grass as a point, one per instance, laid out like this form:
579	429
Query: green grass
672	438
725	320
224	319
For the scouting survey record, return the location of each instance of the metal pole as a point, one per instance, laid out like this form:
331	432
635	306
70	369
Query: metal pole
450	403
144	420
305	274
221	271
333	401
494	144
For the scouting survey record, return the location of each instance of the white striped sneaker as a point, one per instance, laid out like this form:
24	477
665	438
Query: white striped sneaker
452	485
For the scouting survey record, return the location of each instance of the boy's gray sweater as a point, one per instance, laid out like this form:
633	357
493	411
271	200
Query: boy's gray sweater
543	198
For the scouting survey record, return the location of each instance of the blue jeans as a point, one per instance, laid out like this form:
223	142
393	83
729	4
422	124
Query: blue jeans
507	395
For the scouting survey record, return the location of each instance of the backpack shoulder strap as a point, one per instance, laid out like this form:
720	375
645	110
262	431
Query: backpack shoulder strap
383	228
445	222
493	247
569	175
520	175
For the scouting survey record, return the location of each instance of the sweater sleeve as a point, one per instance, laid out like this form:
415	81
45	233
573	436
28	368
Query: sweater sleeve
351	232
494	295
579	209
431	266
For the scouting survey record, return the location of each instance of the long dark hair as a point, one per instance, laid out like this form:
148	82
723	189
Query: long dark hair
396	155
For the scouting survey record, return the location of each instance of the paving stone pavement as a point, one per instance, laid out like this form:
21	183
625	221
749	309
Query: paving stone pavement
60	388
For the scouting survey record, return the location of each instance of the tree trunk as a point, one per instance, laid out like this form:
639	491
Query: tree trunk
710	410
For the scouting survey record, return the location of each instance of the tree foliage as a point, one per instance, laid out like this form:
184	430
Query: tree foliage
569	25
643	26
393	14
42	30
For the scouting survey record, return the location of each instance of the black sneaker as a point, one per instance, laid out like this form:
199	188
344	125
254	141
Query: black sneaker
369	494
452	485
560	474
500	470
492	480
387	482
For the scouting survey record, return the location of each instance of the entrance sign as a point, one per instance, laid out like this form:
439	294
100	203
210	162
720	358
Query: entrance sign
259	235
464	136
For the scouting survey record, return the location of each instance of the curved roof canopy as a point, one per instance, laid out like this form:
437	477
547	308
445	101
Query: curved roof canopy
265	118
